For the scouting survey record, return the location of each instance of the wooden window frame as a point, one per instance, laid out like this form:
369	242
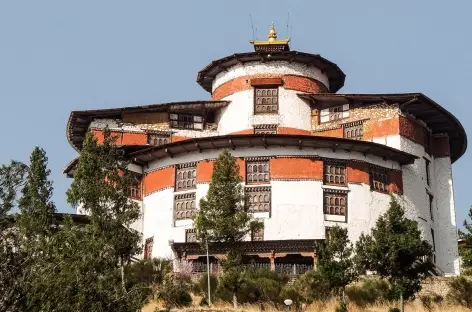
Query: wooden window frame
265	129
335	113
148	244
186	121
185	169
256	97
258	235
158	139
327	165
252	192
337	194
136	186
375	176
190	209
349	130
265	163
190	233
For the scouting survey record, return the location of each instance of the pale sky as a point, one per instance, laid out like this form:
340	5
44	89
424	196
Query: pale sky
59	56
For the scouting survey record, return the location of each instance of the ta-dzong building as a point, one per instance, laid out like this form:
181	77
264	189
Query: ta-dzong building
310	157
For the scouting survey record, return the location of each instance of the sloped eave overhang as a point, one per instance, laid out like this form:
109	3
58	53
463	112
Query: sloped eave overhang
438	119
335	75
79	121
251	140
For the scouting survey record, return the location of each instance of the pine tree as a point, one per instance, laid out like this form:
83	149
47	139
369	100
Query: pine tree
466	253
336	263
12	294
396	251
36	206
224	218
101	185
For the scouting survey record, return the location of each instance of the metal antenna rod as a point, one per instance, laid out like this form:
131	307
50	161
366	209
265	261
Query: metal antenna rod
252	26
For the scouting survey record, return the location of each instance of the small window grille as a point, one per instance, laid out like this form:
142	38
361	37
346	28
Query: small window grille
158	139
257	235
335	203
266	100
184	121
257	172
379	179
186	176
184	206
335	173
334	113
148	248
258	199
265	130
190	236
135	186
353	132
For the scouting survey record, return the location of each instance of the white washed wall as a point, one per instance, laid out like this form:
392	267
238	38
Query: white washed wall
274	68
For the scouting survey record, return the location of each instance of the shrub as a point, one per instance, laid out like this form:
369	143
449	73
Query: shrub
394	310
429	300
460	291
369	291
262	285
342	307
175	291
201	287
467	272
307	288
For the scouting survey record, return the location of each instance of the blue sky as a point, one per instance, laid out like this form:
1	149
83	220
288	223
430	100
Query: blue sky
59	56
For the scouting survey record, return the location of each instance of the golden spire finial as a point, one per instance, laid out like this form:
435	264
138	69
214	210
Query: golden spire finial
272	33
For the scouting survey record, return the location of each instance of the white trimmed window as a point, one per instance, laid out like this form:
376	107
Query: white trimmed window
334	113
186	121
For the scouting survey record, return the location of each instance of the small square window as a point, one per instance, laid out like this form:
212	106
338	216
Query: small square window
257	172
186	176
334	113
353	132
185	121
158	139
334	173
184	206
258	198
266	100
257	235
379	179
335	202
135	190
190	236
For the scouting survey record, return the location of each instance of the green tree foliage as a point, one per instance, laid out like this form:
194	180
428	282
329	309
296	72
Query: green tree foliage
101	185
336	263
395	250
224	218
369	291
201	287
37	220
12	295
175	291
466	252
309	287
460	291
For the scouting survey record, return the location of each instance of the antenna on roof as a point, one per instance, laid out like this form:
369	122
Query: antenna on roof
286	29
252	26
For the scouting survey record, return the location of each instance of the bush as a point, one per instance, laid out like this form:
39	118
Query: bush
201	287
467	272
371	290
175	291
394	310
429	300
460	291
307	288
342	307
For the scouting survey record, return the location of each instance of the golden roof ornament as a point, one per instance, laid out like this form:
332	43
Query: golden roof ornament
271	44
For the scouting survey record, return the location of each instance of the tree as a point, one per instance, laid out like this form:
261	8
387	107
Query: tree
466	252
101	184
37	209
13	296
336	263
224	217
396	251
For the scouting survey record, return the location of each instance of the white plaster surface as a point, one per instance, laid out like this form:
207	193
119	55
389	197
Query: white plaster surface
275	67
239	114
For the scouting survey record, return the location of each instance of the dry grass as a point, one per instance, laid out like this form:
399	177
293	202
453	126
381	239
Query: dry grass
316	307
